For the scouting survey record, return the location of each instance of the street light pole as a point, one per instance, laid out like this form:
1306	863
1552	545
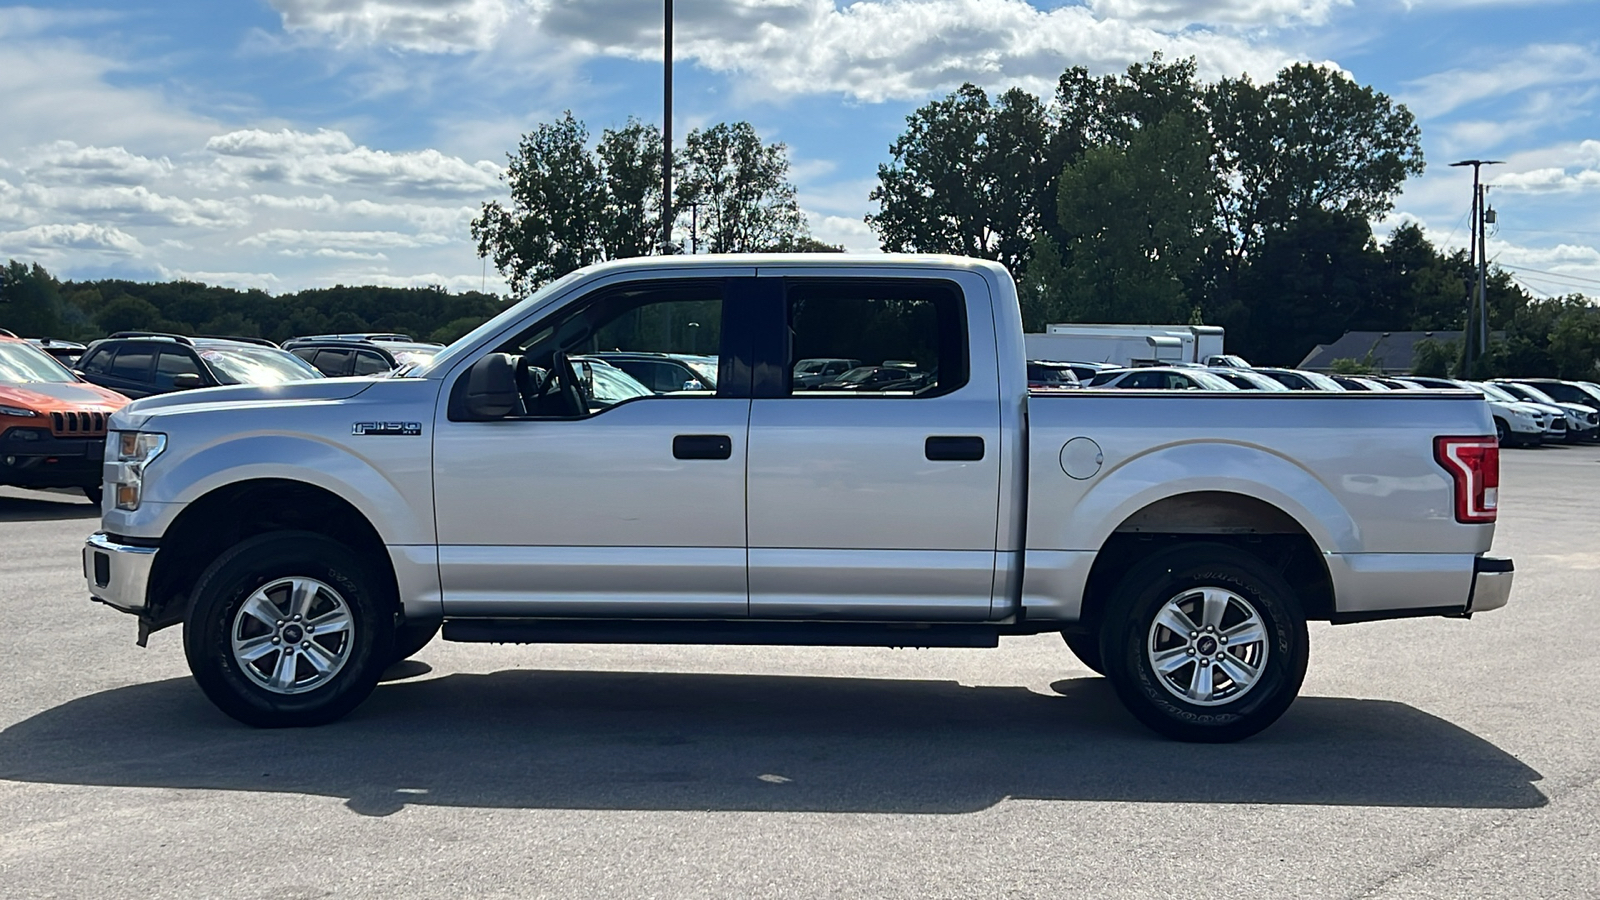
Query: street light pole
666	138
1481	257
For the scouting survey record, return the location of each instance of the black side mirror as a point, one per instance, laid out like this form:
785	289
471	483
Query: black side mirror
491	388
186	381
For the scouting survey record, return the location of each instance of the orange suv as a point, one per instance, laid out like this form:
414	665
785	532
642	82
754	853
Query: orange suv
52	423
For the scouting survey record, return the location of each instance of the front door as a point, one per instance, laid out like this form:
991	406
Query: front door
597	496
875	496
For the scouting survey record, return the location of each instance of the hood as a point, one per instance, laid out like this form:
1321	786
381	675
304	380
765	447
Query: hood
1578	409
70	396
312	389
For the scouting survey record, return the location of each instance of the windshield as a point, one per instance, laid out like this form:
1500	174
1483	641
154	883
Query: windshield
26	364
1210	382
1320	381
256	365
856	376
413	356
609	386
1498	393
1529	391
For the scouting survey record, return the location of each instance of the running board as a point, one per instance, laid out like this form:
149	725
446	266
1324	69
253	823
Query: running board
680	631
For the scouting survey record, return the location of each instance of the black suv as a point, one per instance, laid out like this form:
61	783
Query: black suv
338	355
141	363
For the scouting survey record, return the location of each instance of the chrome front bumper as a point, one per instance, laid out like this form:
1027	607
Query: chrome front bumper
1491	584
118	574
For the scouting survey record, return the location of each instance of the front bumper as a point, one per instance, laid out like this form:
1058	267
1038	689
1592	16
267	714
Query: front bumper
118	574
33	457
1491	584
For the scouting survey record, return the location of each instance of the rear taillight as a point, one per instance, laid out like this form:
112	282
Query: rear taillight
1474	465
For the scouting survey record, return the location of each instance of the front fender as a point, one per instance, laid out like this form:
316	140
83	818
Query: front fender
388	482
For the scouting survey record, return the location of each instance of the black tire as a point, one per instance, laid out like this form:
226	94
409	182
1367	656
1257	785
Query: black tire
1167	576
411	637
95	493
1502	431
1086	647
255	563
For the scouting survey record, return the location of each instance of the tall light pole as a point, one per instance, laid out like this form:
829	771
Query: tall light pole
666	138
1480	303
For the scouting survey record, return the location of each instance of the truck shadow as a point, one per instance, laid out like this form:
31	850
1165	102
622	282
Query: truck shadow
45	508
623	740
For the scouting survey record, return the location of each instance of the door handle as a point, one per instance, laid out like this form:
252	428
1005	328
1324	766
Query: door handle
702	446
954	449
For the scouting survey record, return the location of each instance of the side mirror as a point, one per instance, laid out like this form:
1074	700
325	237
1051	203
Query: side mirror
491	388
187	381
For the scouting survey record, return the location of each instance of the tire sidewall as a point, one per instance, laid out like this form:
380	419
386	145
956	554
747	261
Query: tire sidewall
229	581
1140	598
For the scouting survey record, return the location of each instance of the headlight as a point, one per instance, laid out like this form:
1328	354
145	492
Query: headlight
17	411
135	451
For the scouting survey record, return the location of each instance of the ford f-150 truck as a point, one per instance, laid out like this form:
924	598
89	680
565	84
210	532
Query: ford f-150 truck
309	535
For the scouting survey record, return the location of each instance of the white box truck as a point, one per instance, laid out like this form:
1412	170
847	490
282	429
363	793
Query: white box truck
1126	345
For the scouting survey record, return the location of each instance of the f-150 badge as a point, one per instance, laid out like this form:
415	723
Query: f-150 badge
400	428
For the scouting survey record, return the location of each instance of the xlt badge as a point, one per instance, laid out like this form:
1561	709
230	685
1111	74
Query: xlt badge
400	428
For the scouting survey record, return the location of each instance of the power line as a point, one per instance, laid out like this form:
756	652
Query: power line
1544	272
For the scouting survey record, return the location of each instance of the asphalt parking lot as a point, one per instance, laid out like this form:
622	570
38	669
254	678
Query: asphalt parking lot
1425	758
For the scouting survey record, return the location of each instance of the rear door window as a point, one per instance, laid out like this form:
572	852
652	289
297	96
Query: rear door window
916	331
333	363
369	363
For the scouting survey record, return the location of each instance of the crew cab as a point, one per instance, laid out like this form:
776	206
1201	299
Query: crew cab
52	423
309	535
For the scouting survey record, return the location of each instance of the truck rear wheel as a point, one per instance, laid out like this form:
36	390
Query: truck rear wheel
1086	647
288	629
1204	642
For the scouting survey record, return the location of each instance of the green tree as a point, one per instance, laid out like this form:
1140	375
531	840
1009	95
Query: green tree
1306	283
30	301
557	198
630	212
968	177
1135	221
737	191
1435	358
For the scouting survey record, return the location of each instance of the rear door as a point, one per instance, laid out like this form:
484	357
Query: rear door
879	503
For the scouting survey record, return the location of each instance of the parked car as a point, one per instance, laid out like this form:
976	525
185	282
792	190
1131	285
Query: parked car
1161	378
1227	361
52	423
64	352
1577	423
142	363
604	385
1583	419
303	556
808	373
1578	392
1050	376
659	372
873	378
1248	379
1299	380
1358	383
1516	424
339	355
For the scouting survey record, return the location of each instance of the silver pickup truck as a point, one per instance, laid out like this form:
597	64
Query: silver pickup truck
310	535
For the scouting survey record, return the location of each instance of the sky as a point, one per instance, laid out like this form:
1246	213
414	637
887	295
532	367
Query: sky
287	144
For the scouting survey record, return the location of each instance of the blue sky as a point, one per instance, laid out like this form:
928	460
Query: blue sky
300	143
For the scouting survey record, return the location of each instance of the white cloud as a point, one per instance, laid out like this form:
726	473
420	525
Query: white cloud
307	239
432	26
139	205
332	158
67	162
1537	65
1247	13
444	219
872	50
76	236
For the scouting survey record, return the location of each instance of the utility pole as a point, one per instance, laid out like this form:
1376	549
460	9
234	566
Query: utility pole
1479	303
666	139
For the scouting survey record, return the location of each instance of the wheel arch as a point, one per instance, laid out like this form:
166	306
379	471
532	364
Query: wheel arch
233	512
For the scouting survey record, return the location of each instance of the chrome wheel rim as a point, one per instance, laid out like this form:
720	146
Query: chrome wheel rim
1207	646
292	635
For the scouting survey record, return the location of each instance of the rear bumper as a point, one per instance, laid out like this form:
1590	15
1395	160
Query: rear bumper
1491	584
118	574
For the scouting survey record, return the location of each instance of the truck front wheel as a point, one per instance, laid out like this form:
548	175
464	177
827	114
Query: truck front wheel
288	629
1204	642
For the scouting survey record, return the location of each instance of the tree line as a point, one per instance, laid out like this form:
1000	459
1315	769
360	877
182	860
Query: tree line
1153	197
34	303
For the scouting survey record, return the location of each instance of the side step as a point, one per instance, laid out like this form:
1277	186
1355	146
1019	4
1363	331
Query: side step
681	631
